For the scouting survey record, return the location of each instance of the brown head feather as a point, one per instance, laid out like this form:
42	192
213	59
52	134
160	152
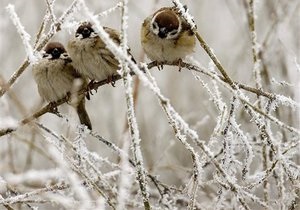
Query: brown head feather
167	19
52	45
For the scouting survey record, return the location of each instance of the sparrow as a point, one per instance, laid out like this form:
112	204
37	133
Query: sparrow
56	78
90	55
166	36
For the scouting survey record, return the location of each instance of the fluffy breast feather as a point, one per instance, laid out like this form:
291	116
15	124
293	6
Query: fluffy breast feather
54	78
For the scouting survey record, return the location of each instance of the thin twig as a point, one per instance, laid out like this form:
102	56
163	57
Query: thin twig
132	122
76	167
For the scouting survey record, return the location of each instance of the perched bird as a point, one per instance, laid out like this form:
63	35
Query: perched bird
166	36
90	55
56	78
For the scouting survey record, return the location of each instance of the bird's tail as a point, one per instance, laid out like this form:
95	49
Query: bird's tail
83	115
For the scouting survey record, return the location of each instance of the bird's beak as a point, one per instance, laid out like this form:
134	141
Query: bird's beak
162	32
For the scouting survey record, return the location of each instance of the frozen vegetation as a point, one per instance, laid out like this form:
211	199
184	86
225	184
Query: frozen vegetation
221	133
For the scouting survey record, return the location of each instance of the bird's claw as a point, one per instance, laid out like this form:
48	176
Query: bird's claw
111	81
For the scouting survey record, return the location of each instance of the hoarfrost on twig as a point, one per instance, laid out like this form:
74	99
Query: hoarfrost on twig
23	34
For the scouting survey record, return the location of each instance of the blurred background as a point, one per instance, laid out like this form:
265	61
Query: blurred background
224	26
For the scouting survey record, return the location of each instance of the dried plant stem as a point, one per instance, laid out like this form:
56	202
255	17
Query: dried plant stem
256	70
271	169
90	164
255	51
265	167
132	122
228	80
256	54
178	122
153	178
75	167
273	119
234	87
194	192
270	117
18	198
216	61
211	74
51	12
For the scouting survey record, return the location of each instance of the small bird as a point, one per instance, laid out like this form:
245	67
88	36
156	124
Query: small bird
90	55
166	36
56	78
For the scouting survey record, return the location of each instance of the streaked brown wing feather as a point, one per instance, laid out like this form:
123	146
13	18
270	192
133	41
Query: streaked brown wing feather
116	37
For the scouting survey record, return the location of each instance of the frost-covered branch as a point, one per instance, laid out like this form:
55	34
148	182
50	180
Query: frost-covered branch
23	34
272	118
58	142
255	46
22	197
51	11
119	5
181	136
184	12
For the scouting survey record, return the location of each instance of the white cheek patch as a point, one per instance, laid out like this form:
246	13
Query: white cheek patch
180	25
48	56
173	34
64	56
154	30
79	36
93	34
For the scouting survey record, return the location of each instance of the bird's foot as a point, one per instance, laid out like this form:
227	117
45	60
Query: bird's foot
110	80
